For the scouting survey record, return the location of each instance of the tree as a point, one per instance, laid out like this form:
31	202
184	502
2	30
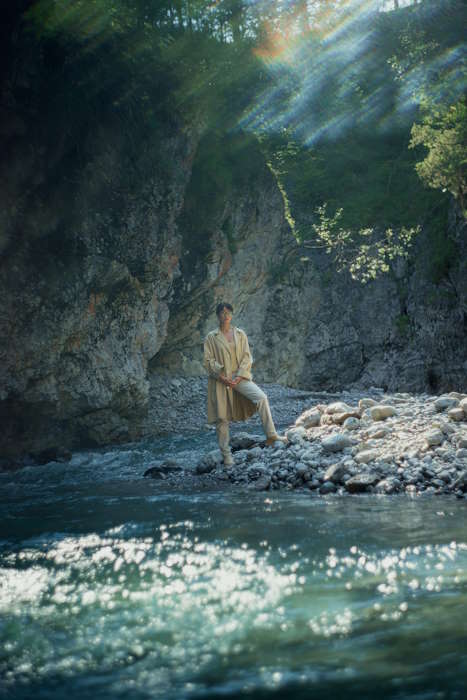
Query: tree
443	131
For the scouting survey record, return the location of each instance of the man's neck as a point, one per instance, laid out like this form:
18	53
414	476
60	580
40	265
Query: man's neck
225	327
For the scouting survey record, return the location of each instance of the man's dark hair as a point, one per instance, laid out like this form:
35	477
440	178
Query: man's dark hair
222	306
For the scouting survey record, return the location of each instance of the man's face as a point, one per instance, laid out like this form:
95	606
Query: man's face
225	314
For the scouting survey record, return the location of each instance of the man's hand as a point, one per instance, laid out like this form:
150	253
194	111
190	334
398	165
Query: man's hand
224	380
237	380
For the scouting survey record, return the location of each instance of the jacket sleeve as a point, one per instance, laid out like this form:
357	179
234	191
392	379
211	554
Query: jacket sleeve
210	364
246	360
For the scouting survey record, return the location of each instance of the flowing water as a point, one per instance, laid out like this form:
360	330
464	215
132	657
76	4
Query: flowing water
115	586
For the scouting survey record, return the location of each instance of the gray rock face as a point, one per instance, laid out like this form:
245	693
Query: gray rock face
122	287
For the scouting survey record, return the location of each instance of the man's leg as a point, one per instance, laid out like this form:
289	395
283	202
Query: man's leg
222	430
257	395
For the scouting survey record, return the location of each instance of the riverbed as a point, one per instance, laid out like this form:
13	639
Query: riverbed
116	586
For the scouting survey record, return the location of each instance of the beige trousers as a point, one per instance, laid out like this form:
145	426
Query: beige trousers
255	394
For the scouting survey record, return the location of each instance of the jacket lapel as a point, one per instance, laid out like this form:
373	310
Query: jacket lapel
221	339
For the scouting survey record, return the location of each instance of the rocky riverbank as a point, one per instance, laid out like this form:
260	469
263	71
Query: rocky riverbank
373	443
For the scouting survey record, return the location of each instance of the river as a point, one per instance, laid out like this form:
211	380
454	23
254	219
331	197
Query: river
115	586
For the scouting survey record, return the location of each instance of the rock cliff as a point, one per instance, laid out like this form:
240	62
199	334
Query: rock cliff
111	279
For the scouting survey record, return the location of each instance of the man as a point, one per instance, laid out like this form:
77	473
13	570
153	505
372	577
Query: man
232	395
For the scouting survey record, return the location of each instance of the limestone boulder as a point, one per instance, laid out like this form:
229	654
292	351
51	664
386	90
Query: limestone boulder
309	419
456	414
382	411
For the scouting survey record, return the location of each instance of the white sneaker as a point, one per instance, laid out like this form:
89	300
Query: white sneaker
228	461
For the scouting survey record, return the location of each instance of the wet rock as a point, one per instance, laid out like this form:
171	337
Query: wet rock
327	487
160	471
388	486
263	483
52	454
461	482
336	443
334	473
361	482
381	412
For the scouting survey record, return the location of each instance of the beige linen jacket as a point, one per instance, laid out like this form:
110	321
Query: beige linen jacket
225	403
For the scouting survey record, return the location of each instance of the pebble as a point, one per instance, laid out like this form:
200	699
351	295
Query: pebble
434	437
366	456
336	443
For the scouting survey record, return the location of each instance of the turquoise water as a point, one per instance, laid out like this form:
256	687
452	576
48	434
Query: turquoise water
115	586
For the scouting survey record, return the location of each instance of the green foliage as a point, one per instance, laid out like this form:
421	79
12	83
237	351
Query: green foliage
443	131
364	253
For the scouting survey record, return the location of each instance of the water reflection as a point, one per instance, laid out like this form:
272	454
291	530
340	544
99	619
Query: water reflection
116	588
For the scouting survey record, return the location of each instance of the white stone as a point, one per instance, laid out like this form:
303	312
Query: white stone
463	405
366	456
336	443
366	403
456	414
378	433
380	412
309	419
434	437
338	407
